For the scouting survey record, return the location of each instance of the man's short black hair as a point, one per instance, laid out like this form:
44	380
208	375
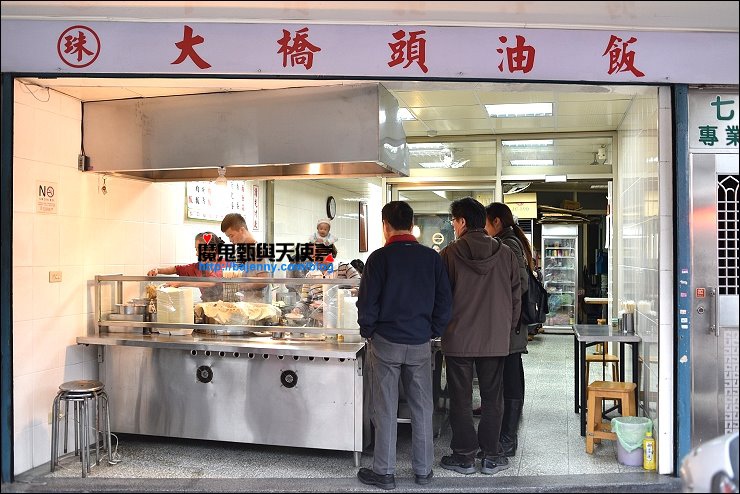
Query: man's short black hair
470	209
233	220
399	215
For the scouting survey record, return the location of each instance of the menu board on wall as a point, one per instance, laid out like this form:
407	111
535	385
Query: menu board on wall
210	201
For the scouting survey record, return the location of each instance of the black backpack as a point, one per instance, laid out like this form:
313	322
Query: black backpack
534	302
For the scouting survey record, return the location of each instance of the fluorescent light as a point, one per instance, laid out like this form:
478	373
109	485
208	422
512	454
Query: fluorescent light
531	162
444	164
601	186
426	146
520	110
556	178
441	193
536	142
405	114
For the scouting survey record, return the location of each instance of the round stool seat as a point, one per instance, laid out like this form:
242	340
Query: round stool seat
81	386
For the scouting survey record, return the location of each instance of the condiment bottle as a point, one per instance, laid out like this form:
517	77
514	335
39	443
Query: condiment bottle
648	451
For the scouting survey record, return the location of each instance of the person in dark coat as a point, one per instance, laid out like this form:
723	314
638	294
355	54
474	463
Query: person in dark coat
403	303
500	223
484	275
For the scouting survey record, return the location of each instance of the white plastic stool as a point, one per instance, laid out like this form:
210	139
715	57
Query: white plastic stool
80	394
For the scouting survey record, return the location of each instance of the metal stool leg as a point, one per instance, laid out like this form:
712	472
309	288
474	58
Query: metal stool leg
85	449
54	431
97	429
66	424
76	407
106	432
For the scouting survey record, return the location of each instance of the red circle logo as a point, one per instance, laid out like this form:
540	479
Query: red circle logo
78	46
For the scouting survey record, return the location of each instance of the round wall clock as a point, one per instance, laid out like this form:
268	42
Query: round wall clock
331	207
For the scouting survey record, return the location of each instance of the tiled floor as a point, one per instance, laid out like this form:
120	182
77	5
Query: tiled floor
549	442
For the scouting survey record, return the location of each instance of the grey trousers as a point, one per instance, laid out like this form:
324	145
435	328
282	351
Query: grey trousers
413	365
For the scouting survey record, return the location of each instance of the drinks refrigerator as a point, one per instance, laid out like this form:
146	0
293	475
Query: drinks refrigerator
560	276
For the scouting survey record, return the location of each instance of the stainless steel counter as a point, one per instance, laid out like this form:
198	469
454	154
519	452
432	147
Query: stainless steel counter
229	344
251	389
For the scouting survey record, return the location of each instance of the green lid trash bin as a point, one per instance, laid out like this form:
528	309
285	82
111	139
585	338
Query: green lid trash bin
630	432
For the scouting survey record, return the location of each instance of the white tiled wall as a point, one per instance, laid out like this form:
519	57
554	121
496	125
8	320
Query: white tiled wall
135	226
300	203
638	236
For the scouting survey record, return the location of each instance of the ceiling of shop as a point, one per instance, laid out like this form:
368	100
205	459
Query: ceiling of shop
445	112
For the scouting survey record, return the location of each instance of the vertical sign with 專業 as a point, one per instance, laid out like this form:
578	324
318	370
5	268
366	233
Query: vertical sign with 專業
713	121
255	207
46	197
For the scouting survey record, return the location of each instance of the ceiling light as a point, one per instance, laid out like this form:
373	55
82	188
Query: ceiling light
537	142
444	164
556	178
441	193
515	188
426	146
600	186
520	110
531	162
405	114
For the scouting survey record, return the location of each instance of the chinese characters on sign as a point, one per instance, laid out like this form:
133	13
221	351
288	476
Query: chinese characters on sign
411	51
621	59
518	58
300	51
275	252
713	121
79	46
255	207
708	133
187	49
202	204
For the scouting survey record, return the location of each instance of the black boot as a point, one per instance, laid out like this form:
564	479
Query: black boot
509	426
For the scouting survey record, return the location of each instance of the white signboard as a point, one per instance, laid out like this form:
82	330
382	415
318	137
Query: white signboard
46	197
330	50
713	121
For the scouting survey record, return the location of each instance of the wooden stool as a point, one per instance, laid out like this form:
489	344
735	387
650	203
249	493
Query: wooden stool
596	430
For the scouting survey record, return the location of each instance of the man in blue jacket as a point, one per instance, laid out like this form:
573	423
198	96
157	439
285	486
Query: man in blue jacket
404	301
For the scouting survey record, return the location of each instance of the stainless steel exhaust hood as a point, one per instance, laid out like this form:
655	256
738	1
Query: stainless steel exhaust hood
314	132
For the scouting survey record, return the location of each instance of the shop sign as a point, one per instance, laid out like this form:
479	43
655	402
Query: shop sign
523	206
713	121
46	197
330	50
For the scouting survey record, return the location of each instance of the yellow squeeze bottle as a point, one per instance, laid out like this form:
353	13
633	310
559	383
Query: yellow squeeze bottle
648	451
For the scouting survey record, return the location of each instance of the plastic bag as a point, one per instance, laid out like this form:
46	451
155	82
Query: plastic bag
630	431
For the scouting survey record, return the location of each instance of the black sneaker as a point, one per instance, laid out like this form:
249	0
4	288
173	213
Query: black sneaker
494	464
424	479
367	476
458	463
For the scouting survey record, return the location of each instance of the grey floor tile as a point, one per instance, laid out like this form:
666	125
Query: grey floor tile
549	443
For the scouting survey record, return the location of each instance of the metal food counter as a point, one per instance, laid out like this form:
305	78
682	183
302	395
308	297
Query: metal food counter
303	394
305	391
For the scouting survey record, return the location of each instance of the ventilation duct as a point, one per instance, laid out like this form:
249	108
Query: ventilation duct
316	132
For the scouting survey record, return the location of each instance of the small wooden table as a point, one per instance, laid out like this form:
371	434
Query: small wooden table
586	335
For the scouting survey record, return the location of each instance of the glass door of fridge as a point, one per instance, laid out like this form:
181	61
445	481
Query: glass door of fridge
560	277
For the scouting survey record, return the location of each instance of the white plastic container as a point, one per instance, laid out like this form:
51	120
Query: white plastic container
632	458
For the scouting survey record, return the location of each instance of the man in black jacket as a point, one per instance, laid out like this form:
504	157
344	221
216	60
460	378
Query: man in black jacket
404	301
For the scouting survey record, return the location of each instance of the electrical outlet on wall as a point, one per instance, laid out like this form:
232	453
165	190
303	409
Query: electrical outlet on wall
55	276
